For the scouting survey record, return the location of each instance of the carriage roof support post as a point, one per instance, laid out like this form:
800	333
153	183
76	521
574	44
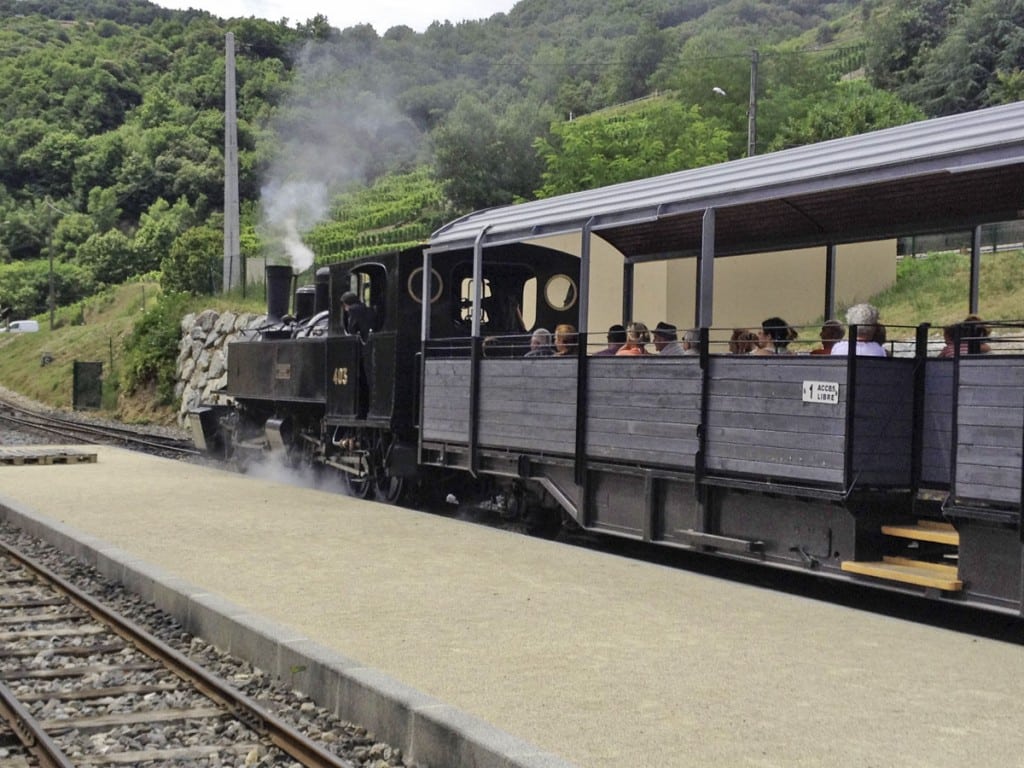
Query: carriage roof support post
706	271
627	291
975	269
475	354
830	281
424	335
425	304
580	461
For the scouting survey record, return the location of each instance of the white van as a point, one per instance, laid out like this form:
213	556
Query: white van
21	326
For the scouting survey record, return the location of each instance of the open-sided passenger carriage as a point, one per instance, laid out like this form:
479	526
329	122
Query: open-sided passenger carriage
903	473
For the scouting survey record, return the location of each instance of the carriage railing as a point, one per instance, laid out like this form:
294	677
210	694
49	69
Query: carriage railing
779	419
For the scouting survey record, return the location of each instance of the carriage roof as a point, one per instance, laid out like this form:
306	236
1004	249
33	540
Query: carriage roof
933	175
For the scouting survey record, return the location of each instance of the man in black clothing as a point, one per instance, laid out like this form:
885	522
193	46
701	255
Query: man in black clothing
358	317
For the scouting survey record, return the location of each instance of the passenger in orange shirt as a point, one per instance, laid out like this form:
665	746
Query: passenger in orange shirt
637	339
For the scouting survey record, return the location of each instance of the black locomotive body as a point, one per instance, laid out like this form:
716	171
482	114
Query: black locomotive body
306	388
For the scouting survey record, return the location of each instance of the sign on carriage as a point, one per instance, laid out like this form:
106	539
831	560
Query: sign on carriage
821	392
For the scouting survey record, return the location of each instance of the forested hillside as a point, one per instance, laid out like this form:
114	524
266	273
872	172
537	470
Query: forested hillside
111	158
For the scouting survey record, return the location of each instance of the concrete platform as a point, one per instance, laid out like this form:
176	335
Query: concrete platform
468	646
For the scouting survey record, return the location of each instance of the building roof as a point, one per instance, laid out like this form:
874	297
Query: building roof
935	175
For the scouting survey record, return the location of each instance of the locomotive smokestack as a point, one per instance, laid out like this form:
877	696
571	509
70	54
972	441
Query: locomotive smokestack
322	282
279	285
305	300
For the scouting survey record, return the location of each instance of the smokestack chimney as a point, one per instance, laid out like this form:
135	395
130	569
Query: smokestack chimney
305	300
279	286
322	282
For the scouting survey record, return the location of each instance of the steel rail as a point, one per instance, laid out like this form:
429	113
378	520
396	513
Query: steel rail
265	723
89	433
36	741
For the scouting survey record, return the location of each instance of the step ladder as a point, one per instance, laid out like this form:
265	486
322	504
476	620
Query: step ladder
908	570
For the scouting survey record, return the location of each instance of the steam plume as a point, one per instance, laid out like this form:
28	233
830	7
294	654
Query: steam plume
333	134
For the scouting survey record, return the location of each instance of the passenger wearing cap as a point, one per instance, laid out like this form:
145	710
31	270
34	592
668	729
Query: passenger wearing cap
359	319
666	341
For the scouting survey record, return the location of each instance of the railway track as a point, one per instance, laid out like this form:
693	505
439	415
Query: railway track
83	685
66	429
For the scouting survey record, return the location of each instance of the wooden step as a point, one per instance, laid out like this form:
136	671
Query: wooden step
925	530
907	571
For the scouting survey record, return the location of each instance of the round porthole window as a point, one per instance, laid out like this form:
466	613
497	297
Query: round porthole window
560	292
415	285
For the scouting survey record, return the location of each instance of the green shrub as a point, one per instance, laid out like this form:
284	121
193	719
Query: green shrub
151	351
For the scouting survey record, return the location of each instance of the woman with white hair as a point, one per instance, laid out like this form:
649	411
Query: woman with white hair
865	318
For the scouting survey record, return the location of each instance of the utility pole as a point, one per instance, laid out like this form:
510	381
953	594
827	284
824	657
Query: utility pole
52	299
232	244
752	106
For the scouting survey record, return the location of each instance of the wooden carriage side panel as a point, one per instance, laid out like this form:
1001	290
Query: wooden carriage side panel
759	425
644	410
446	400
937	426
528	405
990	430
883	425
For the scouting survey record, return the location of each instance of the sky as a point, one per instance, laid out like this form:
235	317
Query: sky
382	14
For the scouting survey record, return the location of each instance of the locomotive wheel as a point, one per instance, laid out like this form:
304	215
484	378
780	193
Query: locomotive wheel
360	487
388	489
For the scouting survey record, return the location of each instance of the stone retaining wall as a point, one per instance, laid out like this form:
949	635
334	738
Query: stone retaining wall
201	370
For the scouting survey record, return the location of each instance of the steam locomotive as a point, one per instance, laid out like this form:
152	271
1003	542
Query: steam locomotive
314	394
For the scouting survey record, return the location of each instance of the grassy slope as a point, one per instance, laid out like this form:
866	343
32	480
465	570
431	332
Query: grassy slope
94	331
927	290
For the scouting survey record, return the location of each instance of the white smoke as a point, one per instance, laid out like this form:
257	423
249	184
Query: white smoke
332	134
290	208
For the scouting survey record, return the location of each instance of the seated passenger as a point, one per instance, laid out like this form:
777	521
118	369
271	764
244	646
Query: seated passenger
880	337
691	342
970	339
774	337
616	338
865	317
665	341
743	341
949	337
565	340
540	344
977	332
831	332
637	339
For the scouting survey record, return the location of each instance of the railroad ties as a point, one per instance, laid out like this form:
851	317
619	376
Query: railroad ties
42	454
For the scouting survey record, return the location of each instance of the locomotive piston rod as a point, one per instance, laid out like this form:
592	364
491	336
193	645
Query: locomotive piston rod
353	465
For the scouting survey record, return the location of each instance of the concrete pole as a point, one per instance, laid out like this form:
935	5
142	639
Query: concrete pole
232	240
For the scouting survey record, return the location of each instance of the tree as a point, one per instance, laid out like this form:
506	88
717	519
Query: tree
109	256
195	261
486	160
639	57
899	36
158	229
968	70
852	108
662	137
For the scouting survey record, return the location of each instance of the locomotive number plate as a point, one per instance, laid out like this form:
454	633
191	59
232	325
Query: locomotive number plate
340	377
821	392
283	371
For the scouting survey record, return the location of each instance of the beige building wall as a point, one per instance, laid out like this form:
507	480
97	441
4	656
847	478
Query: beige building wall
748	289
